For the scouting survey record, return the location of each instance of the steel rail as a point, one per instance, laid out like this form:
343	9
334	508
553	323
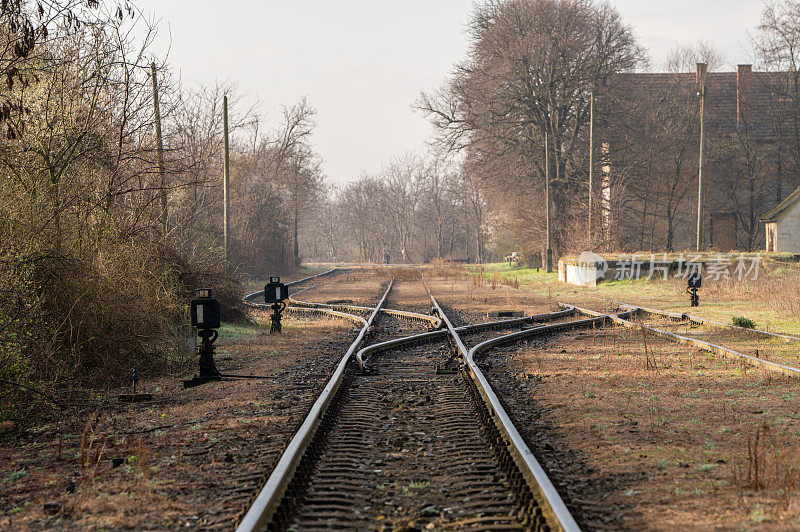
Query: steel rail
552	505
707	346
418	339
249	297
403	314
682	316
537	331
325	312
316	311
261	511
406	341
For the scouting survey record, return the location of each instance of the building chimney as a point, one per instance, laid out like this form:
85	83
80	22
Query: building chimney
700	75
744	94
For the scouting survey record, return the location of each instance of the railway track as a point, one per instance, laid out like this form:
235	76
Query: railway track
771	352
413	435
419	439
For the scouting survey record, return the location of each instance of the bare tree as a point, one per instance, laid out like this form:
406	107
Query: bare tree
777	48
531	68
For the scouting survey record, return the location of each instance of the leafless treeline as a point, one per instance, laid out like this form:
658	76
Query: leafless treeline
531	67
416	208
92	277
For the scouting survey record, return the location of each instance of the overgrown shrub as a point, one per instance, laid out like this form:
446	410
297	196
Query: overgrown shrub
770	465
90	319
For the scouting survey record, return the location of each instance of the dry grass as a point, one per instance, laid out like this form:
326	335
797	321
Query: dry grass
649	355
769	466
447	270
690	440
777	287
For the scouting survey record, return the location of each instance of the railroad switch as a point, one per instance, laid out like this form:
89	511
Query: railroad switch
206	316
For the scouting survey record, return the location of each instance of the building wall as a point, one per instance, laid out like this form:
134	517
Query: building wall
772	235
789	230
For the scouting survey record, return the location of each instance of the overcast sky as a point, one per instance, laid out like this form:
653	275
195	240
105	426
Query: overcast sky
363	63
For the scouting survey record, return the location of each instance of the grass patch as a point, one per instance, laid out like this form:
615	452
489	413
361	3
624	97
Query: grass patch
16	475
504	271
771	301
239	331
746	323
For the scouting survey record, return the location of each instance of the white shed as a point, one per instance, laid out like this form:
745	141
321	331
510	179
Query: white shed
783	225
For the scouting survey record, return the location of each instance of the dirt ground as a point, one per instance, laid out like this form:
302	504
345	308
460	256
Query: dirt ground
655	441
636	432
188	458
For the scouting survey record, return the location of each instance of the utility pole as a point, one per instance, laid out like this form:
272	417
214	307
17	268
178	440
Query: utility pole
226	180
591	166
160	152
701	79
548	251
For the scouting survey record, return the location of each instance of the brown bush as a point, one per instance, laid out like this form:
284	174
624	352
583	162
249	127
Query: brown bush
91	319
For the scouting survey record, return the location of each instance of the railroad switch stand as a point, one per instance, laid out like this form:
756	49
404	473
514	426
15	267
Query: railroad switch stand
206	317
277	314
208	368
275	294
694	298
694	281
205	311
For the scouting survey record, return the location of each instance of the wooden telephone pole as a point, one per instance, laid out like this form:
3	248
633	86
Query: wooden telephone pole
591	167
701	79
160	152
548	261
226	181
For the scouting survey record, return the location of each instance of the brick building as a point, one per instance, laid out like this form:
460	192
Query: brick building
750	126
